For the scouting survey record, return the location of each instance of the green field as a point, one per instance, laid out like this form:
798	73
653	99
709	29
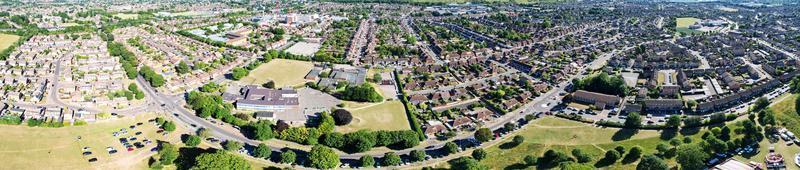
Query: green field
23	147
682	25
564	135
6	40
388	115
283	72
126	16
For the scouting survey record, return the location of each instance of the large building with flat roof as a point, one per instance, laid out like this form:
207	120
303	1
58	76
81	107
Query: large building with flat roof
260	99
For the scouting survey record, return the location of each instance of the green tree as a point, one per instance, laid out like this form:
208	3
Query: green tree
466	163
417	155
612	156
674	121
231	145
361	93
322	157
450	148
288	157
518	139
691	157
182	68
169	126
327	124
367	161
634	154
238	73
581	156
262	151
553	158
530	160
192	140
484	135
359	141
335	140
652	162
479	154
634	120
760	104
262	130
167	153
391	159
220	160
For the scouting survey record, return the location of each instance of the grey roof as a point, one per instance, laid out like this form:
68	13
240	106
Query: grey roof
261	96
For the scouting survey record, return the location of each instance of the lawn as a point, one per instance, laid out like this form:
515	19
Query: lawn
126	16
786	114
283	72
24	147
564	135
6	40
388	115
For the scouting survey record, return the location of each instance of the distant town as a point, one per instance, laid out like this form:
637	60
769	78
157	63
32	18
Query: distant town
400	84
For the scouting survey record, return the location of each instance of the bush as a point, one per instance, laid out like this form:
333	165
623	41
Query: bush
232	145
479	154
288	157
484	135
391	159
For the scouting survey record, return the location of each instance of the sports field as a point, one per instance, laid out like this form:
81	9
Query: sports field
283	72
23	147
6	40
388	115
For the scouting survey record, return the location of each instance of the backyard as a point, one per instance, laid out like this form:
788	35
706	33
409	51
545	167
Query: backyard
6	40
388	115
44	148
283	72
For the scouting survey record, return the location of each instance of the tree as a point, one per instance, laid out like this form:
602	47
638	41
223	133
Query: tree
377	78
602	83
288	157
367	161
479	154
634	120
530	160
553	158
612	156
508	127
691	157
760	104
674	121
239	73
220	160
466	163
270	84
169	126
692	121
262	130
192	140
518	139
203	133
167	153
359	141
361	93
484	135
450	148
327	123
634	154
652	162
342	117
334	139
231	145
391	159
182	68
581	156
417	155
262	151
322	157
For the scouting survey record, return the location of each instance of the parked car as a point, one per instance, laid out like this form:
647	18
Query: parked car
93	160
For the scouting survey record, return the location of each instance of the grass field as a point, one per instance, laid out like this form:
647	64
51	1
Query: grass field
564	135
283	72
23	147
389	115
682	25
126	16
6	40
